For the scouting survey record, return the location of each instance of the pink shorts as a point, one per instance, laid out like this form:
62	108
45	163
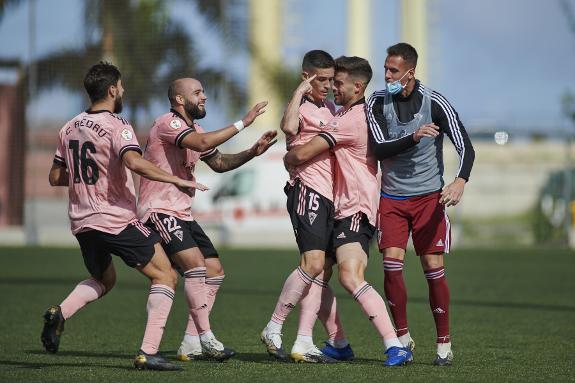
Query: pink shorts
423	216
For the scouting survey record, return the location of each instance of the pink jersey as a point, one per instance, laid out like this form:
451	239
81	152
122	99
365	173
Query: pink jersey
355	177
101	189
165	151
318	172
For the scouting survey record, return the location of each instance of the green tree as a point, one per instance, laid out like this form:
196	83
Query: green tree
140	38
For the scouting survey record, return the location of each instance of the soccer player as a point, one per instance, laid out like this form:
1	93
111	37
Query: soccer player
176	142
407	122
355	194
310	205
95	151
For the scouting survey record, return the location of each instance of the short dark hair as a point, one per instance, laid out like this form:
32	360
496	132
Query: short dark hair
317	59
99	79
406	51
355	67
173	91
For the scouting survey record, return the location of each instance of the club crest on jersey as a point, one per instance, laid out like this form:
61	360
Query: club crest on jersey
312	216
175	124
333	125
126	135
179	234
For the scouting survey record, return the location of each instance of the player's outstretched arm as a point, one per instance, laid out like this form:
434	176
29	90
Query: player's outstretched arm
136	163
303	153
58	176
202	142
290	120
221	163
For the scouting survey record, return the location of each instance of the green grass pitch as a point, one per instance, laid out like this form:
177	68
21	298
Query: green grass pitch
512	317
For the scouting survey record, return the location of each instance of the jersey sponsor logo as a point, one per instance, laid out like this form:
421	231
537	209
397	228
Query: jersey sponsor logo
179	234
312	216
126	135
341	235
175	124
439	243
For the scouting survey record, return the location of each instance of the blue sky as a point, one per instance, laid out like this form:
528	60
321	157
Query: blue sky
502	63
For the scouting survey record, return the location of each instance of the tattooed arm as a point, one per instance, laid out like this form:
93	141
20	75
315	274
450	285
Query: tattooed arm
221	163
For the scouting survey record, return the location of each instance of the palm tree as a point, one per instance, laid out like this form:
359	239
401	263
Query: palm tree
151	49
139	37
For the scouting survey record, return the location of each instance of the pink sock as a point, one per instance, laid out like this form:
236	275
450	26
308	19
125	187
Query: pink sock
195	289
85	292
213	285
329	316
309	308
159	304
374	307
294	287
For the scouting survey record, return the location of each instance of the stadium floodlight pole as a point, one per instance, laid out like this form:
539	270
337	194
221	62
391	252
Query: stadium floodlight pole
359	28
414	30
266	21
30	215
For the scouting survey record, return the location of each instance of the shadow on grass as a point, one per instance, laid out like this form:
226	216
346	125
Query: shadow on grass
42	365
89	354
266	359
259	357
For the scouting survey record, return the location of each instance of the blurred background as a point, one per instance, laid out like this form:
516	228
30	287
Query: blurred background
506	67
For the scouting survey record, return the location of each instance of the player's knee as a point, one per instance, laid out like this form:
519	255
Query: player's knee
167	278
313	264
214	269
431	261
349	280
313	269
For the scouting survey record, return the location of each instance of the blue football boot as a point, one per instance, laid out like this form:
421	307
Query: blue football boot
341	354
398	356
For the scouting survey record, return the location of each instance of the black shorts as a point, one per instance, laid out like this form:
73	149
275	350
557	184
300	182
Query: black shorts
134	244
311	217
355	228
178	235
